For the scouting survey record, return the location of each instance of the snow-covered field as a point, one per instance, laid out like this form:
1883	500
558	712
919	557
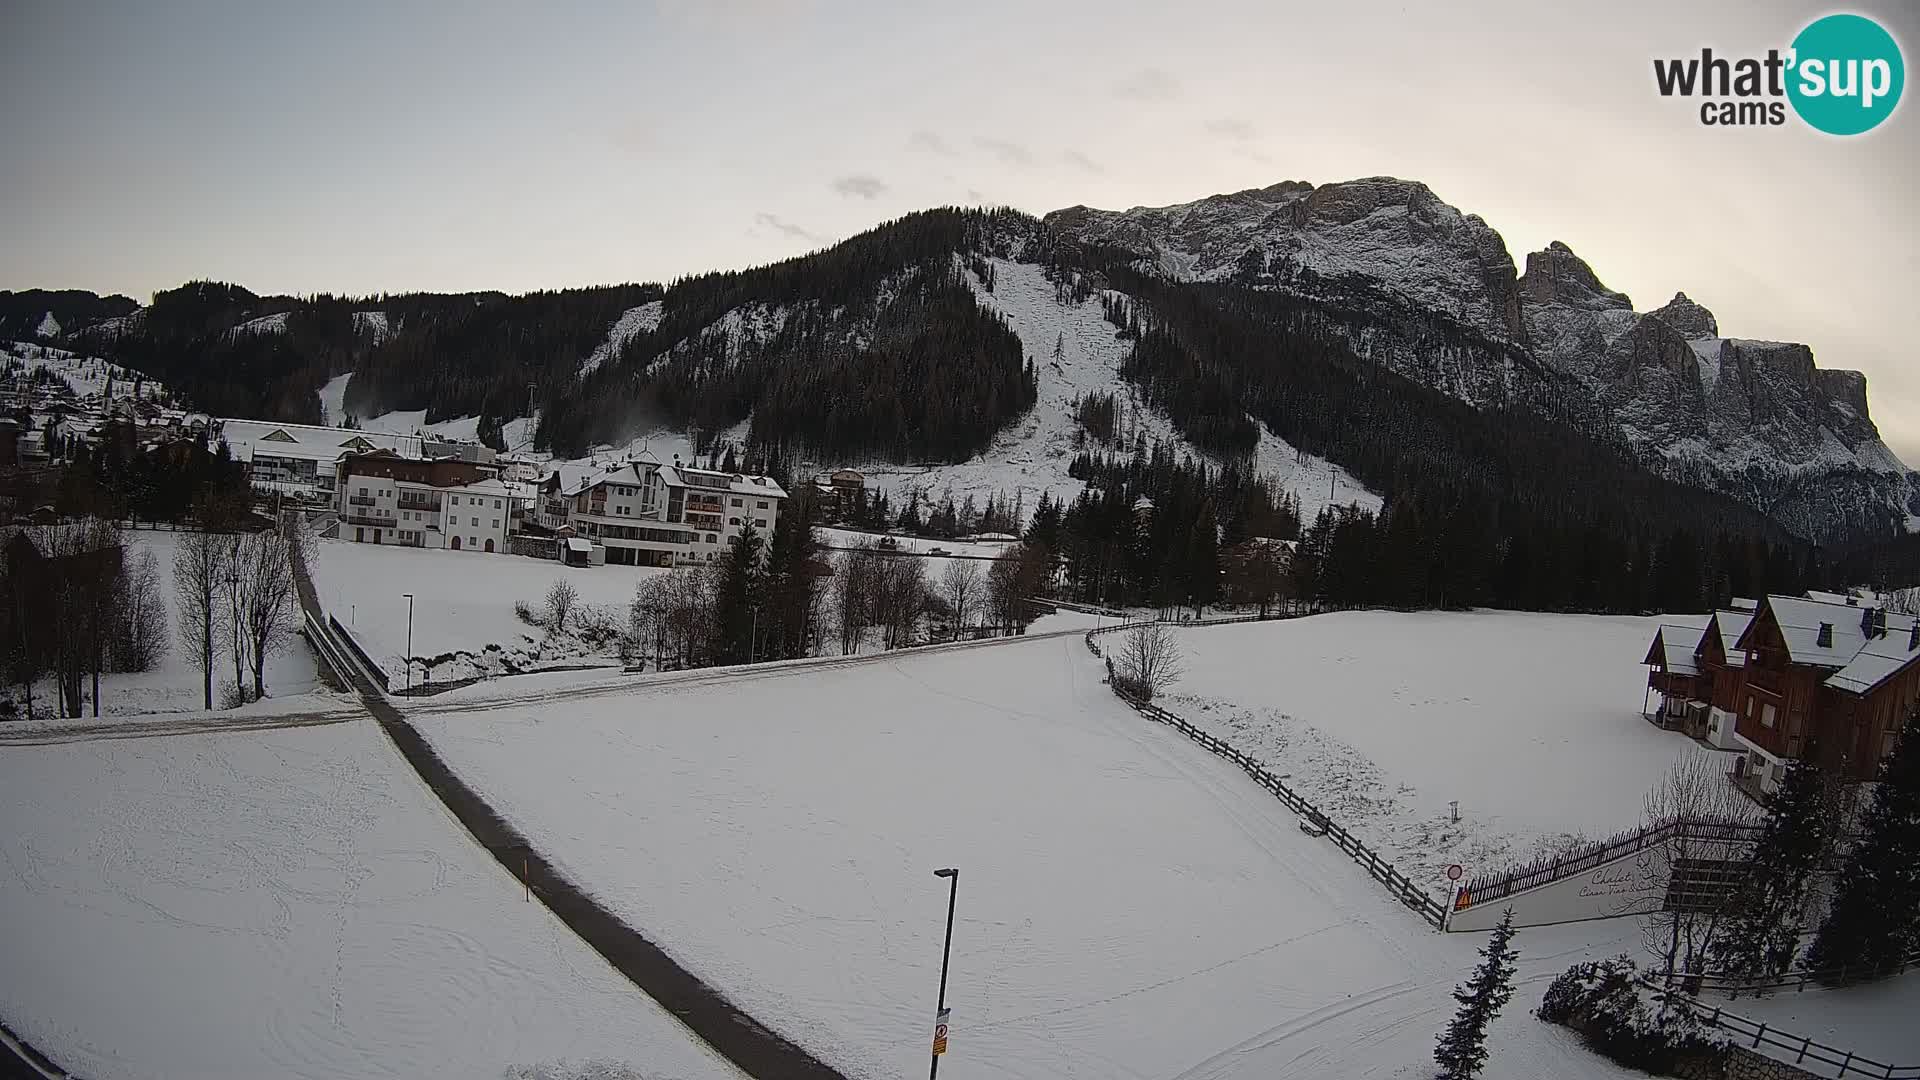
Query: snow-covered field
288	904
463	602
1129	906
1532	722
175	684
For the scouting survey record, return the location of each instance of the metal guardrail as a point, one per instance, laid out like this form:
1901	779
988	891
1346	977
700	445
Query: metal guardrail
1382	871
345	637
1803	1048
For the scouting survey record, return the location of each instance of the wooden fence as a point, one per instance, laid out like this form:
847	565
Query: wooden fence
1804	1050
1382	871
1794	980
1498	886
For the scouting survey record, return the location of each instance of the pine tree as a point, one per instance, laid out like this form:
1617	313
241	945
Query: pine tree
1763	933
1463	1046
1875	919
737	601
792	589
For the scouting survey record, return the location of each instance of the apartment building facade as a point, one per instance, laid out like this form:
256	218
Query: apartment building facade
644	513
385	498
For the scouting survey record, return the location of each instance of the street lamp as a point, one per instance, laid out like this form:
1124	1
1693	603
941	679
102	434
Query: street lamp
952	874
409	597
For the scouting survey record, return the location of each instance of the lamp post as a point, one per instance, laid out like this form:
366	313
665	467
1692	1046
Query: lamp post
952	874
409	597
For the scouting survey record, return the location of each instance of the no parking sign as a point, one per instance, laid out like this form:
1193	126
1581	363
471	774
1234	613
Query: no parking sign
940	1033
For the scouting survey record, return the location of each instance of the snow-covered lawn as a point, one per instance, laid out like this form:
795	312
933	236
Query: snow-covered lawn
1129	906
463	602
175	685
287	904
1875	1022
1532	722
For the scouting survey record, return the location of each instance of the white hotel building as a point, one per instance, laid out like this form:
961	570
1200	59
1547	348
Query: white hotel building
648	514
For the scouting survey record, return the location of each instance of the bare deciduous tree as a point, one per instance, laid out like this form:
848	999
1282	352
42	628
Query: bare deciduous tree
561	599
1149	660
853	584
1698	797
961	584
142	639
262	574
199	579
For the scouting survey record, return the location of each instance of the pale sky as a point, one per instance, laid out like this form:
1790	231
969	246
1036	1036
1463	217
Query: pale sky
361	147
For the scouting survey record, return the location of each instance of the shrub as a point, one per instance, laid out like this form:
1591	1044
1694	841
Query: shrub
524	612
1603	1001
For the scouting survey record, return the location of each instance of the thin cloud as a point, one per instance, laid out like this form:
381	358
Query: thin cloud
1228	127
1148	84
929	142
1009	153
860	186
1082	161
788	227
976	197
1251	154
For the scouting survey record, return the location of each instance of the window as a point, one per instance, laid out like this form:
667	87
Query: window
496	504
471	541
762	504
476	523
712	539
733	521
363	491
455	500
760	523
1766	716
496	523
736	502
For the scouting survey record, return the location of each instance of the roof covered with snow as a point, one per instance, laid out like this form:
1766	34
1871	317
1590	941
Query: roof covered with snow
1676	647
1800	621
1878	660
308	441
1732	624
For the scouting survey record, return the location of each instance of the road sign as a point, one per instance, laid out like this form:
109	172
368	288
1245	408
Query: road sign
940	1033
1454	872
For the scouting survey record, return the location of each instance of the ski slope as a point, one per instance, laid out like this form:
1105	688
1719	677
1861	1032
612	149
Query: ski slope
1531	721
289	904
1129	906
1075	354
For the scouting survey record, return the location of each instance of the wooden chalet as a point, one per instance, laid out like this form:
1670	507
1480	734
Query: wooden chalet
1839	676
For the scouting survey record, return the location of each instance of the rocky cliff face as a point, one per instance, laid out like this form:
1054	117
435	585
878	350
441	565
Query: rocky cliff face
1757	420
1394	232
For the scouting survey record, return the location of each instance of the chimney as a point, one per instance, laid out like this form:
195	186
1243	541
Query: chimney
1913	636
1873	622
1825	637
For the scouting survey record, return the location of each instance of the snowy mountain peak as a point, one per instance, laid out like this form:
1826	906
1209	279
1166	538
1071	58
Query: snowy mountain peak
1556	275
1397	233
1691	320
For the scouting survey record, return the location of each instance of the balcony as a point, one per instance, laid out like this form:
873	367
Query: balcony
360	500
355	518
432	506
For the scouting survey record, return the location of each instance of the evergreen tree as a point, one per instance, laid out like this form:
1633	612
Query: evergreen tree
1463	1046
792	590
1763	933
737	600
1875	918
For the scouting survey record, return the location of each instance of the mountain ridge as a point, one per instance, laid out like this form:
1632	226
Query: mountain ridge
1403	279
